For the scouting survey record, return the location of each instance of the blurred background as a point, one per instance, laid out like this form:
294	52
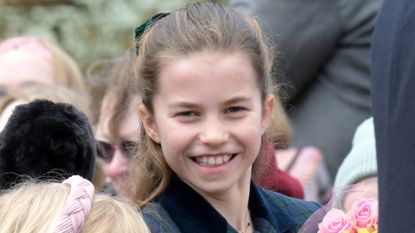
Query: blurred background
89	30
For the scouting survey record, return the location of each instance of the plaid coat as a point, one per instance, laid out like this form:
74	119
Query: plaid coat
182	210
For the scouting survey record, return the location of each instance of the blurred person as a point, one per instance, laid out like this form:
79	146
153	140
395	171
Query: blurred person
43	62
357	175
393	84
355	185
68	207
114	102
324	55
355	182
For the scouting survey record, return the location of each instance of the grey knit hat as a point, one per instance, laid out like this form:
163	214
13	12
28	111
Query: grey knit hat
361	162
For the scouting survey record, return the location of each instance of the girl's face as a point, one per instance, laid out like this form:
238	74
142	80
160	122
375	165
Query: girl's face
209	119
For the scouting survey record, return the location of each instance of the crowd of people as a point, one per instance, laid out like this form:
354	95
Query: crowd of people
194	130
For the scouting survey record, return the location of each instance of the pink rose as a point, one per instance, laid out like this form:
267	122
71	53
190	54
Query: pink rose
364	213
335	221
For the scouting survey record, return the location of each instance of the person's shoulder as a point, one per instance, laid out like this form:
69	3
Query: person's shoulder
297	209
157	219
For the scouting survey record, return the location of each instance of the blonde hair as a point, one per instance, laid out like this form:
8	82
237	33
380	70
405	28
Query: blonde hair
200	27
55	93
33	208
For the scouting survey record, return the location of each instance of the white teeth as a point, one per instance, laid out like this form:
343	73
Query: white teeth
219	160
213	160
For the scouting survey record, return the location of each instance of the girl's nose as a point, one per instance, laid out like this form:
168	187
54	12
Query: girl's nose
214	133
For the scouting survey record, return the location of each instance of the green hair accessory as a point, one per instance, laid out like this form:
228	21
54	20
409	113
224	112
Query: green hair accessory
139	31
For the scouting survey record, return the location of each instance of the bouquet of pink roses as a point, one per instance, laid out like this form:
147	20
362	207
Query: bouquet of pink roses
362	218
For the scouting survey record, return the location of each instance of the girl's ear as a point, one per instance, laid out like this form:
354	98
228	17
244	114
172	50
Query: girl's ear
149	123
267	111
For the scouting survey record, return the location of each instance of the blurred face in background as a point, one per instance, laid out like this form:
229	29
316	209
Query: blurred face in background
114	151
366	188
19	67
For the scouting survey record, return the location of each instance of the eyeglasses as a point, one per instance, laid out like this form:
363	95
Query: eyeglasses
105	150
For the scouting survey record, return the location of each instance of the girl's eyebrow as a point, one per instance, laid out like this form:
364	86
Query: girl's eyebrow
182	104
188	104
237	99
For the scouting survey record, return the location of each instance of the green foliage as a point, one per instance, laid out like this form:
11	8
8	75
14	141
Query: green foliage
90	30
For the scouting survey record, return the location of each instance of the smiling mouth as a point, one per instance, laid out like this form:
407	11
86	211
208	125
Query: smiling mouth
212	161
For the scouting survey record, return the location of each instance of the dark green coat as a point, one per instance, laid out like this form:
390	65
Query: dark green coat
183	210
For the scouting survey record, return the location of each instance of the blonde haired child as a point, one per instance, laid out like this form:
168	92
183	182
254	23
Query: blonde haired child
207	90
68	207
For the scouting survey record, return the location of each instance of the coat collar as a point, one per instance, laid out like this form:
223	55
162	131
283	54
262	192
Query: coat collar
191	212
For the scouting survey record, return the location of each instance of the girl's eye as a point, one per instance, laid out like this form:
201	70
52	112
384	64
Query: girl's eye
235	109
187	114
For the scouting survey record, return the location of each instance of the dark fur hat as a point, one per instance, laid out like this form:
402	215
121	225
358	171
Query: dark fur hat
46	140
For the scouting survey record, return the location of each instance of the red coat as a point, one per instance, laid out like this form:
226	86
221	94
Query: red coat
269	176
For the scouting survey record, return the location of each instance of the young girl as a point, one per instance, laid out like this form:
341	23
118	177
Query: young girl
207	101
